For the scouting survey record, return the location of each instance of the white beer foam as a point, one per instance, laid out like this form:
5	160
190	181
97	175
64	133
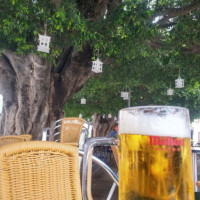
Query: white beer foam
173	125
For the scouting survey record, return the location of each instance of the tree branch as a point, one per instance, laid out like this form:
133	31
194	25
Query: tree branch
62	60
155	43
56	2
92	10
167	25
191	50
169	13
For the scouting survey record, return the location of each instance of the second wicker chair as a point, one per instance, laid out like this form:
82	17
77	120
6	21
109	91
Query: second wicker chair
67	130
11	139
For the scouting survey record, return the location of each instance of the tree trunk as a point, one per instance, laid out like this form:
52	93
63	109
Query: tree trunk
102	126
24	84
35	93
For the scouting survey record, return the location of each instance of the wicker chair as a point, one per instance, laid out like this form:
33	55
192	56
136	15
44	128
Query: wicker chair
11	139
39	170
26	136
71	130
66	130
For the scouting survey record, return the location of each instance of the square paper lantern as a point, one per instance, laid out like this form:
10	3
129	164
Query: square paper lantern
122	94
44	41
126	96
97	66
83	101
170	92
179	83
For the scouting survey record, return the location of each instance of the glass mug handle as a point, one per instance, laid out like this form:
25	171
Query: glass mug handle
87	163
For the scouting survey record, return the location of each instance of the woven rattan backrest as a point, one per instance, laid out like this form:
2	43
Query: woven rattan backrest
26	136
71	130
10	139
38	170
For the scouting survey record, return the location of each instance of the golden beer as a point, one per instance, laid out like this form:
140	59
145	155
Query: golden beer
155	166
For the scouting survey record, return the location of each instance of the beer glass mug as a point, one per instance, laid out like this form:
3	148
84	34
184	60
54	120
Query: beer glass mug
155	154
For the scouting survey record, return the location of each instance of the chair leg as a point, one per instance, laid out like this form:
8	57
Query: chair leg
111	191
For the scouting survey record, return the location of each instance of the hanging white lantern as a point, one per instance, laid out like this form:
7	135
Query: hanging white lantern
170	92
122	94
80	115
126	96
44	41
83	101
97	66
179	83
193	16
109	115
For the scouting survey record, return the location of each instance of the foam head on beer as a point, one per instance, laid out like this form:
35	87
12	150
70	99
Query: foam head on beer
155	120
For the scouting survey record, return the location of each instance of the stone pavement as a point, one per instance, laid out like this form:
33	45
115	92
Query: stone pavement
102	182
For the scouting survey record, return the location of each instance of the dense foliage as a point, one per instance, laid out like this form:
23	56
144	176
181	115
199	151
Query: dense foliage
145	57
148	85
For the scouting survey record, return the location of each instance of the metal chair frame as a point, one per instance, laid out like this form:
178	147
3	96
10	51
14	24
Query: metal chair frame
50	133
195	154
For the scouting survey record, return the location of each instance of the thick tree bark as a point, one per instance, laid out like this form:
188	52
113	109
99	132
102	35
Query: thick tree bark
25	83
35	93
67	78
102	126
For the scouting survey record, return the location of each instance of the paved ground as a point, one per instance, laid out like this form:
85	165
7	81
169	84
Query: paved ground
102	183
